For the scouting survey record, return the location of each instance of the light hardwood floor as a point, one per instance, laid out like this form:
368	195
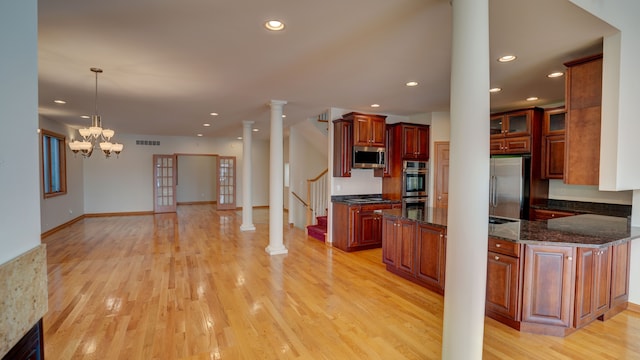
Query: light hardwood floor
191	285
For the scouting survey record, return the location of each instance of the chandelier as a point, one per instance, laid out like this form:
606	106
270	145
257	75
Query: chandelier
95	135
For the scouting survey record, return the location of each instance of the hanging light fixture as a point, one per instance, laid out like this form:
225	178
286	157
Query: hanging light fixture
95	135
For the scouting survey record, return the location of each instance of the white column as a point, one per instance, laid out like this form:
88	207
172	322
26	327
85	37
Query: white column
467	230
247	200
276	181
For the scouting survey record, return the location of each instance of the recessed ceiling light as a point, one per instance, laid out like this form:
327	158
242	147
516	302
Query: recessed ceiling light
507	58
412	83
274	25
375	105
256	130
495	90
555	74
199	134
239	138
85	117
213	114
532	98
206	124
59	101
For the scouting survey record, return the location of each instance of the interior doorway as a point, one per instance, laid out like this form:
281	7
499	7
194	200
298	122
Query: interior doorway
441	174
226	183
164	183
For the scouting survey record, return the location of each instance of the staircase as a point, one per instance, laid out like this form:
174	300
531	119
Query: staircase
319	230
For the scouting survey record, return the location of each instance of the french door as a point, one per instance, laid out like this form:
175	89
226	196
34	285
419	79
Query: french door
164	183
226	182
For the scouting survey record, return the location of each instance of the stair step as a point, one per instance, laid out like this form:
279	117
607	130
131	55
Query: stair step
317	232
322	220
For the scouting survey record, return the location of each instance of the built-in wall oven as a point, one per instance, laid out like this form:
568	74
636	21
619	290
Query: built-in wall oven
415	179
415	186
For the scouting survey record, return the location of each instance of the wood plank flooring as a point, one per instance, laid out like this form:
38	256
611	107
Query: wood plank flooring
191	285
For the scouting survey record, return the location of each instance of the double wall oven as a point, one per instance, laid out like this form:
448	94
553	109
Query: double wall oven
415	185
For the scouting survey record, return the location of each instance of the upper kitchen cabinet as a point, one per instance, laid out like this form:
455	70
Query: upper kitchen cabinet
368	130
415	142
583	102
513	123
553	143
513	132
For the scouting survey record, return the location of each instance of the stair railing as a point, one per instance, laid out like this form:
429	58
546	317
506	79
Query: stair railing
317	197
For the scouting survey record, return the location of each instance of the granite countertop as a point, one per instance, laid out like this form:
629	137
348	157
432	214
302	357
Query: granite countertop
364	199
586	230
583	207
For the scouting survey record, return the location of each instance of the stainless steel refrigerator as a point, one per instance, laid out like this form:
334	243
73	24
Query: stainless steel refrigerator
509	187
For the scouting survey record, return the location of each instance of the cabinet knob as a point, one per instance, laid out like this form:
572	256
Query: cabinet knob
496	257
498	245
570	258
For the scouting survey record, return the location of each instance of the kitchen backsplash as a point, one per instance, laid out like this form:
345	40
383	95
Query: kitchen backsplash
561	191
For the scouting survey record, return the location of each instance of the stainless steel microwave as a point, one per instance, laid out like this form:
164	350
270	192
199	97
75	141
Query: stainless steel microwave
367	157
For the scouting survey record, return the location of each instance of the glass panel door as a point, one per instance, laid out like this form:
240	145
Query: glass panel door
164	184
226	183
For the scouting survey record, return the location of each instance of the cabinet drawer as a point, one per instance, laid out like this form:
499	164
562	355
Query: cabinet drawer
504	247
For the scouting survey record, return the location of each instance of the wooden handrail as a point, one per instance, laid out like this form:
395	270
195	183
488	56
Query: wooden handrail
319	176
299	198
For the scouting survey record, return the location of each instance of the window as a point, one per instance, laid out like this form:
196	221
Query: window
54	177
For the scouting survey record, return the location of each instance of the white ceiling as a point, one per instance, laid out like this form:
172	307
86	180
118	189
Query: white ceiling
168	64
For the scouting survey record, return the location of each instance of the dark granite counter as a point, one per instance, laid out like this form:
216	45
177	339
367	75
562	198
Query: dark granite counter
583	207
586	230
362	199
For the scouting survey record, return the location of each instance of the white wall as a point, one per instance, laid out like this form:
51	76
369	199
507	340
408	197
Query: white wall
58	210
125	184
561	191
196	180
19	176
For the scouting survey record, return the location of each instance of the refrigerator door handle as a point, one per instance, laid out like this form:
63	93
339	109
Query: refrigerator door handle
494	193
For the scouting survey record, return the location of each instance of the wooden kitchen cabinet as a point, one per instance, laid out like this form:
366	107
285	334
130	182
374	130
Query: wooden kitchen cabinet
514	123
368	130
431	253
517	145
398	246
415	251
504	282
357	227
513	132
583	101
620	262
544	214
342	147
553	143
548	289
389	239
415	142
406	247
593	284
503	275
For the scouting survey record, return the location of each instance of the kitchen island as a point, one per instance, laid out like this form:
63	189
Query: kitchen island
549	277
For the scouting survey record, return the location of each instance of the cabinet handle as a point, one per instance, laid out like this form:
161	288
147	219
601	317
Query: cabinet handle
498	245
497	258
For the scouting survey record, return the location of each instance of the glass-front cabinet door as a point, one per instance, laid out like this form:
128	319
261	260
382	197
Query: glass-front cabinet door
496	126
518	124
